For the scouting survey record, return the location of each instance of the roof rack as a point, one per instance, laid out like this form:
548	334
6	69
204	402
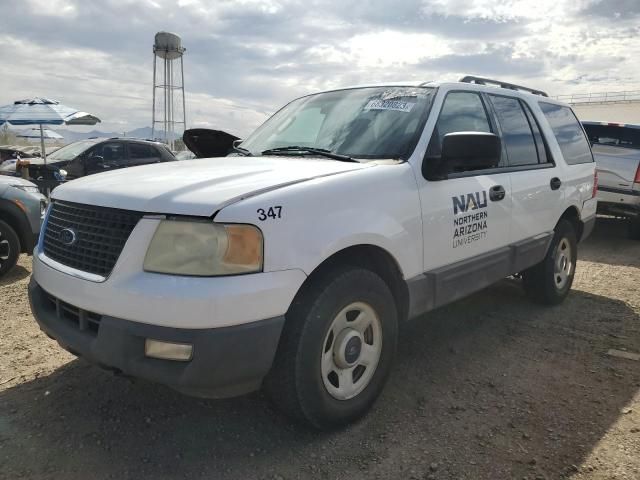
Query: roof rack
501	84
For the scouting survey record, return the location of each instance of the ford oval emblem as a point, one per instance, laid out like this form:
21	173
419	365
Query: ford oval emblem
68	236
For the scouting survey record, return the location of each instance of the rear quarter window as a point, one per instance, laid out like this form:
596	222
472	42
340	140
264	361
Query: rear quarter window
614	135
568	132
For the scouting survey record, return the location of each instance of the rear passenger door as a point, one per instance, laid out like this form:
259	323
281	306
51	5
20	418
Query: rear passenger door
142	154
536	193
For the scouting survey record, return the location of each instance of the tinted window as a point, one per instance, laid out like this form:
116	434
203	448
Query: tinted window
461	112
139	150
541	145
516	131
613	135
109	151
573	143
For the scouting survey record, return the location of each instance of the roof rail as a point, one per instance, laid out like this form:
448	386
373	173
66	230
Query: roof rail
501	84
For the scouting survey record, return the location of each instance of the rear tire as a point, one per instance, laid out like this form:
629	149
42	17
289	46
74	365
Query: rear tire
9	248
634	228
336	349
549	281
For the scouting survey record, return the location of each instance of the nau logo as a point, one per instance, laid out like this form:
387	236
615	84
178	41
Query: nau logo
470	201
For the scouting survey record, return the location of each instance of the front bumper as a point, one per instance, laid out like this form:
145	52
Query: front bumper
226	361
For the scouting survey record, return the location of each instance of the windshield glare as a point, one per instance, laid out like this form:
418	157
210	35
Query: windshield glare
367	123
69	152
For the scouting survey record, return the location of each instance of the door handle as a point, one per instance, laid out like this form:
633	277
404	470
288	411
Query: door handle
496	193
555	183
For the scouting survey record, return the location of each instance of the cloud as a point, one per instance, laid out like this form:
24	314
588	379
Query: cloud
246	58
618	10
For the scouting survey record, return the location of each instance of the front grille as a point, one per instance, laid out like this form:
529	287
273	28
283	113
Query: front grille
100	234
85	320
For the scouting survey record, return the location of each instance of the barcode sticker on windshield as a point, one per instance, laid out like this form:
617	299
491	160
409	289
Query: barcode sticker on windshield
396	105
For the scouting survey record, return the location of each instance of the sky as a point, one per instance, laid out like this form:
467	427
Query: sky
245	59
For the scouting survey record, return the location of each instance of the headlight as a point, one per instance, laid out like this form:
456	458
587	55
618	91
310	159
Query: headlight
204	249
27	188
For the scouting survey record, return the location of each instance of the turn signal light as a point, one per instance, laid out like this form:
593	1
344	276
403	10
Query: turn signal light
180	352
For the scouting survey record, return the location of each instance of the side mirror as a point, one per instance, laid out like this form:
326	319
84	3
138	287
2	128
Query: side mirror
464	151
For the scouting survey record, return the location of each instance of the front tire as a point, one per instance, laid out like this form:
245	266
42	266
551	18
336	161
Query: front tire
336	349
9	248
549	281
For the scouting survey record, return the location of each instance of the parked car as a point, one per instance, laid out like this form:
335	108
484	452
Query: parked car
11	152
616	147
9	157
96	155
22	208
291	262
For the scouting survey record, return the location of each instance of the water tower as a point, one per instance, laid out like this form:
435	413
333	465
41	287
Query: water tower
168	88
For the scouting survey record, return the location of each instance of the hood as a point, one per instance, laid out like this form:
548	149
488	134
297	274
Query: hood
206	143
7	181
196	187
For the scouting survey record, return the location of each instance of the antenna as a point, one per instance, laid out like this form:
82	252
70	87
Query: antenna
168	47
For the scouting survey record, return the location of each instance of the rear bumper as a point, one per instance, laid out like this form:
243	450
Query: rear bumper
226	361
619	209
619	202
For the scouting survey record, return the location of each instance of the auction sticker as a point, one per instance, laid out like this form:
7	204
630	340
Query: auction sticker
396	105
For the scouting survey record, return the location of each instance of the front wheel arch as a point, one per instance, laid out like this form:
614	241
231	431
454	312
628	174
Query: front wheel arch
369	257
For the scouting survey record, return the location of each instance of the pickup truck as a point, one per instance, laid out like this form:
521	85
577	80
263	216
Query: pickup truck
290	263
616	148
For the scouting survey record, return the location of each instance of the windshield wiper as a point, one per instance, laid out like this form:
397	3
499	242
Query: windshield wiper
318	151
243	151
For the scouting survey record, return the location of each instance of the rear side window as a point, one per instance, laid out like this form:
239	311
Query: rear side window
613	135
573	143
516	131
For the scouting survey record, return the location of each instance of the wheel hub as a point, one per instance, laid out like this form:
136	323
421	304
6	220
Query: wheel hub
347	348
351	351
563	265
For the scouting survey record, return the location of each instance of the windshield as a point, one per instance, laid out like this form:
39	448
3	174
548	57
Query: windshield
68	152
365	123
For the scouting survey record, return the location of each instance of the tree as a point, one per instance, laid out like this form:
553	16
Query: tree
7	137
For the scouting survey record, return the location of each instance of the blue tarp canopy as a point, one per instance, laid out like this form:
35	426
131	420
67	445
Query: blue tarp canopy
43	111
35	133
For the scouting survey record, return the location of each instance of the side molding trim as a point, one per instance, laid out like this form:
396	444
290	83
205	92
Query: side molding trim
444	285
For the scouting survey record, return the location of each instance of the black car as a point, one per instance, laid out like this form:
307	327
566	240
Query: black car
87	157
94	155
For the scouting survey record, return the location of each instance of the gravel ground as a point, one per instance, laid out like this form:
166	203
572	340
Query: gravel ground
491	387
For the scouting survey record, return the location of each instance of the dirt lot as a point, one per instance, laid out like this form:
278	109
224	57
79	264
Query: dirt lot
491	387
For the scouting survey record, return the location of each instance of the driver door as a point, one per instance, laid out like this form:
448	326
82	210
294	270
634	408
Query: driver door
105	156
466	226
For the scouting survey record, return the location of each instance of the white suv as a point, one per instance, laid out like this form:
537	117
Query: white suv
290	263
